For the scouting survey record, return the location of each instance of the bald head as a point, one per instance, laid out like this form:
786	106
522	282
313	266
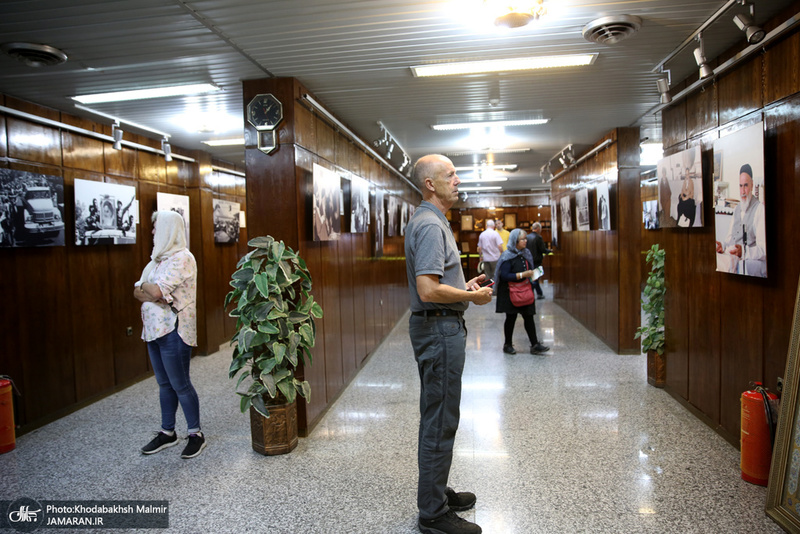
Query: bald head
427	167
436	177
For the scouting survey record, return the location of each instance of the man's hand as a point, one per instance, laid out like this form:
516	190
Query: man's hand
475	283
719	247
481	296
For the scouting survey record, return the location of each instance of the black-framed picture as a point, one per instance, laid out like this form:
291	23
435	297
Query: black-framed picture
104	213
510	221
31	209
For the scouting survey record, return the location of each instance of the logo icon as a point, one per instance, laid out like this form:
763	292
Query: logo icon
25	515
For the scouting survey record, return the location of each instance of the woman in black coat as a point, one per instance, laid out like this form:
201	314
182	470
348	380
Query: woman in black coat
516	263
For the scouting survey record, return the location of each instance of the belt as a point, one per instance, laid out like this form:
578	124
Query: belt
438	313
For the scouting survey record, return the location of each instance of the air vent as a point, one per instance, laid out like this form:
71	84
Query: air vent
611	30
35	55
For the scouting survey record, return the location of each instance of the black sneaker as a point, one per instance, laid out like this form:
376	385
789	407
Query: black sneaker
195	446
539	349
458	502
448	523
160	442
509	349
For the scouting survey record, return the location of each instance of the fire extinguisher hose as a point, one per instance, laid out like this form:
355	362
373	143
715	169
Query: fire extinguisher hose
768	412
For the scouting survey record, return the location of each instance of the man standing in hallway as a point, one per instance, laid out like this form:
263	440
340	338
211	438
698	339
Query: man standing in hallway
490	246
538	250
439	296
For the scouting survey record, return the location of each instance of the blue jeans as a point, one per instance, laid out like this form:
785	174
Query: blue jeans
439	345
170	357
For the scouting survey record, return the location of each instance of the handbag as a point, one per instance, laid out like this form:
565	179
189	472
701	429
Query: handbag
521	293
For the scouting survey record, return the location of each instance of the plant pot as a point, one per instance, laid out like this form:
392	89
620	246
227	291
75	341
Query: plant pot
656	369
276	434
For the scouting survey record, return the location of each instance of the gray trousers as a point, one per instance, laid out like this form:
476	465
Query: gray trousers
439	345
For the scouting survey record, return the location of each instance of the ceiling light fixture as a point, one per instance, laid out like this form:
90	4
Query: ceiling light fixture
468	125
489	167
486	152
167	149
141	94
483	178
700	58
480	188
744	22
663	88
516	14
503	65
225	142
116	133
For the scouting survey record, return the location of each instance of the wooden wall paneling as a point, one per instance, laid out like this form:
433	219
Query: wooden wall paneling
124	269
151	167
3	134
701	111
120	162
627	243
333	327
675	242
360	263
782	152
740	91
214	280
81	152
350	358
305	130
673	124
270	183
781	77
29	141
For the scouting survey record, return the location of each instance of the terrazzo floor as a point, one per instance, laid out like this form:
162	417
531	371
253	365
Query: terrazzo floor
575	441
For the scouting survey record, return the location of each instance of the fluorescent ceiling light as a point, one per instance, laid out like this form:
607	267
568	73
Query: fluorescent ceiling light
480	188
489	167
224	142
140	94
503	65
487	151
485	124
484	179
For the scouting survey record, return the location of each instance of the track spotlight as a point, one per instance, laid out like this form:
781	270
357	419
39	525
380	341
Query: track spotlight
753	33
663	89
700	59
167	149
116	133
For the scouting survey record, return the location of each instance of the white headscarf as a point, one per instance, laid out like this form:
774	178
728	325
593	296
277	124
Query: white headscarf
170	238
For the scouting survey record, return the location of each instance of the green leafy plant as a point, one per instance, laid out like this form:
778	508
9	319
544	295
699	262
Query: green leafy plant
275	328
652	331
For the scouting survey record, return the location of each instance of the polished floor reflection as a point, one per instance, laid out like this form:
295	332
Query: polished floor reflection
574	441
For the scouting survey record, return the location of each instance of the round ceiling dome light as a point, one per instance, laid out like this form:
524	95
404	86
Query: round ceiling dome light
516	14
35	55
611	30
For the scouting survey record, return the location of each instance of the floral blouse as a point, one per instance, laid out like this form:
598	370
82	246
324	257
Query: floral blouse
176	276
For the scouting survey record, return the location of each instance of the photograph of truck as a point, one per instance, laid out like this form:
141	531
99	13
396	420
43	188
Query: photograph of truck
31	209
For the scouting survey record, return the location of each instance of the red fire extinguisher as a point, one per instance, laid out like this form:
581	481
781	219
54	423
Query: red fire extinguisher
759	413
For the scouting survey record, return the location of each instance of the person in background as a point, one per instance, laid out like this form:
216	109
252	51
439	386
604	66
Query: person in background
516	264
439	295
167	290
490	246
502	232
538	251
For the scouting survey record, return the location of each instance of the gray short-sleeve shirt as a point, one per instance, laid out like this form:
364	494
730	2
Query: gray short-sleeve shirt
431	249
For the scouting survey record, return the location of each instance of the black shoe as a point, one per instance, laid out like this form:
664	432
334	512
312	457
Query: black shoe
539	349
540	297
509	349
458	502
160	442
448	523
195	446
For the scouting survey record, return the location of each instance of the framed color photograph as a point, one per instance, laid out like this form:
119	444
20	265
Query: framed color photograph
783	489
680	189
740	208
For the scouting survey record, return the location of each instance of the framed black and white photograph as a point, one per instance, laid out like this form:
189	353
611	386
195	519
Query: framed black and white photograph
359	205
104	213
566	214
603	207
582	209
327	200
403	217
178	204
680	189
31	209
393	216
739	209
380	215
554	225
226	221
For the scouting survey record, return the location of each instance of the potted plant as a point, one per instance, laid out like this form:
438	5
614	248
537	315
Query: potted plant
275	331
652	331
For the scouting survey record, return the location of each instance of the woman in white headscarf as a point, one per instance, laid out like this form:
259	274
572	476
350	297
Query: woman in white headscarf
167	291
